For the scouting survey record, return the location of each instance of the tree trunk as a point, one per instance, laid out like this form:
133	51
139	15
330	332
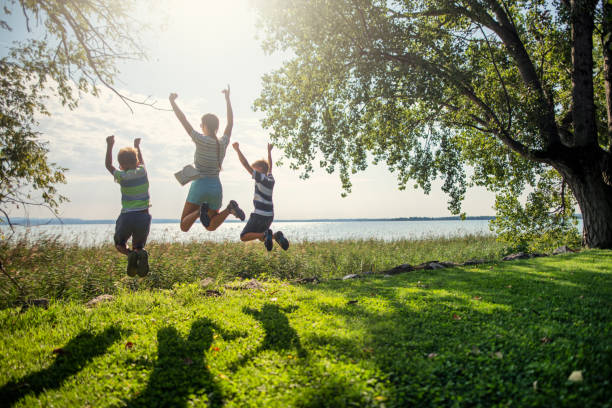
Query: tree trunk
606	39
584	176
583	106
585	166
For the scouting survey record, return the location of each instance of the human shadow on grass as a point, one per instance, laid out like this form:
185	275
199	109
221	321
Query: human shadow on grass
181	370
279	335
70	360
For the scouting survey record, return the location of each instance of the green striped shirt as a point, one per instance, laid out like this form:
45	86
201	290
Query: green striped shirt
134	189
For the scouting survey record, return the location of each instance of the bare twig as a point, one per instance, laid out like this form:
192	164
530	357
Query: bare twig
77	32
8	220
27	18
106	51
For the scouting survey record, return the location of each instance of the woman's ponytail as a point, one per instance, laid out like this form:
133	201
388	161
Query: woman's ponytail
212	124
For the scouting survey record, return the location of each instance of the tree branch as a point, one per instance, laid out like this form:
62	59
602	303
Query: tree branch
506	31
467	91
27	18
91	63
501	80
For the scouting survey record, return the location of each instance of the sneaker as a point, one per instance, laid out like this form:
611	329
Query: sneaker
268	239
281	240
204	218
132	265
235	210
143	263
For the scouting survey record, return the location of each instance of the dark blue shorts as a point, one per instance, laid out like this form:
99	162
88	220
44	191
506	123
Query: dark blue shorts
133	224
257	223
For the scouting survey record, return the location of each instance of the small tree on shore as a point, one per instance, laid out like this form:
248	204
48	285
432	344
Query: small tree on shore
513	89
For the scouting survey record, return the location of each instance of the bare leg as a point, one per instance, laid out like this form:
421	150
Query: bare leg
191	212
217	218
123	249
250	236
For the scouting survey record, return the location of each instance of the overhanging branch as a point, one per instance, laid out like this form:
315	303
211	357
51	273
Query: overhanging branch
91	60
505	29
465	89
501	80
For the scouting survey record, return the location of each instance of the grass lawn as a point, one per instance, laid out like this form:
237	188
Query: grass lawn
498	334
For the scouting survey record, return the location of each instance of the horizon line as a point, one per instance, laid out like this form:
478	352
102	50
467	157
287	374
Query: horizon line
20	221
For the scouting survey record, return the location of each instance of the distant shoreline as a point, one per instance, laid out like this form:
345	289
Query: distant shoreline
75	221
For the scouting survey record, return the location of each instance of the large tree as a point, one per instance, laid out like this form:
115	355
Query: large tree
512	90
70	47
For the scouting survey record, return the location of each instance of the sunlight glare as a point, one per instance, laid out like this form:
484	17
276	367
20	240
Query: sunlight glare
218	23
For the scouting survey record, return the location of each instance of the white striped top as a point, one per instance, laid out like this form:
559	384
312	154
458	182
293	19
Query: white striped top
205	157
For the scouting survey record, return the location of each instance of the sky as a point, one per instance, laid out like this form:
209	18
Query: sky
195	48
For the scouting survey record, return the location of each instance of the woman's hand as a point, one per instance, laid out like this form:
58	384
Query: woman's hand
226	92
172	97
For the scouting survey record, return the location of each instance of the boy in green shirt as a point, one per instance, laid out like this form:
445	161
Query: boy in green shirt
134	220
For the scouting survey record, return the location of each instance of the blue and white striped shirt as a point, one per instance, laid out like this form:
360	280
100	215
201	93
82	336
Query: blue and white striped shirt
264	184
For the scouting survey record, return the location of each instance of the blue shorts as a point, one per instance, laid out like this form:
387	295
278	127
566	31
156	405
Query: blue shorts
206	190
134	224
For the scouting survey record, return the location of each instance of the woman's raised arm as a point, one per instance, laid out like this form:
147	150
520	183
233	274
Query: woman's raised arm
230	113
179	114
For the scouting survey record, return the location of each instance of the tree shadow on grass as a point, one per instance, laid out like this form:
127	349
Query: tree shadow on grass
490	332
181	370
333	392
71	359
279	335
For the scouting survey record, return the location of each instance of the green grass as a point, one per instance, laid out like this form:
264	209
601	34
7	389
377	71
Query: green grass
55	270
469	336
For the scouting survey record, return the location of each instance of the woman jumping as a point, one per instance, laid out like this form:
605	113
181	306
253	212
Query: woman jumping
206	193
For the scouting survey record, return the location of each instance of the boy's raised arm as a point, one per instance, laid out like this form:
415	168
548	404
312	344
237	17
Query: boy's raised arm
243	159
137	147
270	158
179	114
230	113
110	141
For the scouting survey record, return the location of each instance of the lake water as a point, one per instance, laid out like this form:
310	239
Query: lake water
93	234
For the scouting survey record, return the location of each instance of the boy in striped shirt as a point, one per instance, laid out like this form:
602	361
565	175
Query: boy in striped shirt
134	220
258	226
